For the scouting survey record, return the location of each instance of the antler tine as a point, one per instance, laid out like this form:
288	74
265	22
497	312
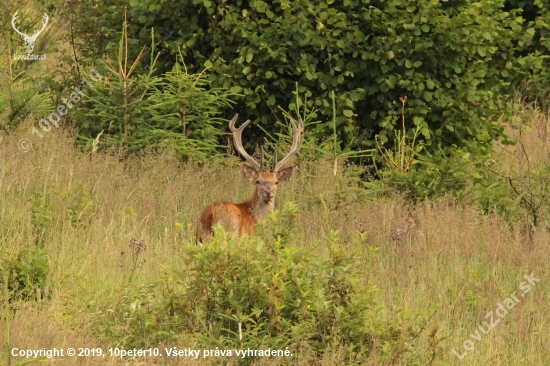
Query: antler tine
237	140
274	160
262	158
296	142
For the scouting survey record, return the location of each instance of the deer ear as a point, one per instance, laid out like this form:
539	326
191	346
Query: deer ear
284	174
250	173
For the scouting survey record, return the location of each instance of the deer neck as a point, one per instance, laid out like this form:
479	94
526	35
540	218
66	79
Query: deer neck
259	208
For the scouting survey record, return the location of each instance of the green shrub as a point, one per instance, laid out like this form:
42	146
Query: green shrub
455	61
178	112
256	294
26	275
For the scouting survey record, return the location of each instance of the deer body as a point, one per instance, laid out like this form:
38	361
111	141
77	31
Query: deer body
241	218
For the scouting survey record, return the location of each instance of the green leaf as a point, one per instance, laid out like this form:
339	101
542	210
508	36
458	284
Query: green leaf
261	6
391	80
348	113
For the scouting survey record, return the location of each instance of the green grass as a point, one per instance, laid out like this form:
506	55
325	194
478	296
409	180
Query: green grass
454	267
84	210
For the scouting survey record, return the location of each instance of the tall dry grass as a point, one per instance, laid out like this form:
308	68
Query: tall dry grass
455	260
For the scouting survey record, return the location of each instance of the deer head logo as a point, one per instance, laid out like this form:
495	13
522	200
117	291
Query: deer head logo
29	40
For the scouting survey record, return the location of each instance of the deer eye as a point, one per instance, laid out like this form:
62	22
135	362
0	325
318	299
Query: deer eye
257	182
277	182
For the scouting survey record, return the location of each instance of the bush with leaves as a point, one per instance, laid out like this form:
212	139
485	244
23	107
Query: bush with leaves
534	47
26	275
256	294
417	173
454	61
525	181
177	112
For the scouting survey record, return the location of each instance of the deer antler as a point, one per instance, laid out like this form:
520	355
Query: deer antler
296	143
13	19
237	140
46	18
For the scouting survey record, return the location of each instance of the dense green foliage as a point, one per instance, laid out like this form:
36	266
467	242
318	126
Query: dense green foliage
455	62
25	277
177	112
397	97
257	294
416	90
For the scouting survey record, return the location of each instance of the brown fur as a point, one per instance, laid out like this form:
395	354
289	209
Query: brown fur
241	218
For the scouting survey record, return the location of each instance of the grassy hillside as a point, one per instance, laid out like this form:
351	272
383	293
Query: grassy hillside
452	268
98	250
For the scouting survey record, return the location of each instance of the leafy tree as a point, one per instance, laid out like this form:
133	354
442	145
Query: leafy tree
175	111
453	61
534	46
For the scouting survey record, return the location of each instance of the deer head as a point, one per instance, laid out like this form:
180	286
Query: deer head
29	40
266	181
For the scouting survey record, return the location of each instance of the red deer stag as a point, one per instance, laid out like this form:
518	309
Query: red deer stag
241	218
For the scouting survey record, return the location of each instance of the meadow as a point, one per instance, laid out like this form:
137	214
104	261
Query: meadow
414	230
441	276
